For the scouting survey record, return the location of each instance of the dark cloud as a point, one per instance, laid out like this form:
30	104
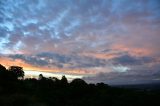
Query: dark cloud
132	77
132	60
57	60
30	59
131	70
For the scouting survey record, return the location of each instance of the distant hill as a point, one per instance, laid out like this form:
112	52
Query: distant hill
149	86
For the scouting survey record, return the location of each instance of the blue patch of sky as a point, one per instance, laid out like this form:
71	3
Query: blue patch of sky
120	68
18	45
3	42
30	21
8	25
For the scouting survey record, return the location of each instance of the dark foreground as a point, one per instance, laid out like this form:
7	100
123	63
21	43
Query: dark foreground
54	92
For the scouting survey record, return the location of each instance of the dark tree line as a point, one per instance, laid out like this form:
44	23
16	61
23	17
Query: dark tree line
13	73
17	91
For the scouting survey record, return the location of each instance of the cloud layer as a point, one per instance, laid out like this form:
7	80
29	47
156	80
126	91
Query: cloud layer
87	37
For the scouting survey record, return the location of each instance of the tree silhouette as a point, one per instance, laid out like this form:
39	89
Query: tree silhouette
54	79
40	77
3	73
2	68
78	82
54	92
64	80
18	71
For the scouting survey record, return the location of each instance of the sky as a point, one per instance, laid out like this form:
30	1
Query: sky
110	41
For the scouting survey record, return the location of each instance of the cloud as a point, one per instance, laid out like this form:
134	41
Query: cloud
59	20
131	77
92	36
130	60
60	61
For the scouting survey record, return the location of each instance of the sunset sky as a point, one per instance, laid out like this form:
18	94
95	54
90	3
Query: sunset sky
111	41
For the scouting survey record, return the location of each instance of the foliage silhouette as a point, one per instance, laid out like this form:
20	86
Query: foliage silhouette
63	81
78	83
2	68
54	92
41	77
18	71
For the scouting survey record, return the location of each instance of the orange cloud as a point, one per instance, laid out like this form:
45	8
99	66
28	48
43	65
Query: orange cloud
7	62
132	50
100	55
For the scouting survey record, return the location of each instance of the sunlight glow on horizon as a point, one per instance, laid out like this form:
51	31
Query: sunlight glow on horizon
35	74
